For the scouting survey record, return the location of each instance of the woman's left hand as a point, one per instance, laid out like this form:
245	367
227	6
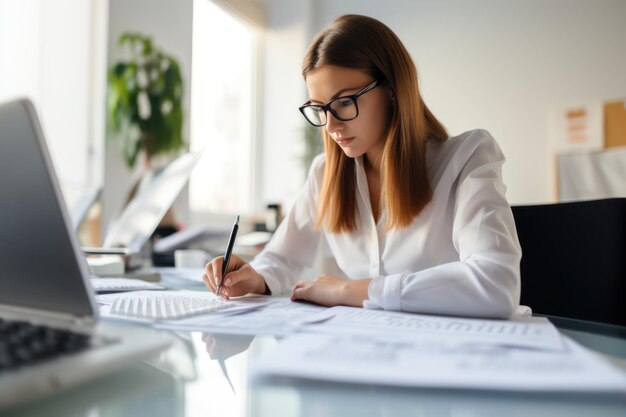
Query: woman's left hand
330	291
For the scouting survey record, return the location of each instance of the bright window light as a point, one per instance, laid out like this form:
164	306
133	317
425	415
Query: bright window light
222	99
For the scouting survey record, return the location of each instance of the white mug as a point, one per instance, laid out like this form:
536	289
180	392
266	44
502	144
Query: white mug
190	258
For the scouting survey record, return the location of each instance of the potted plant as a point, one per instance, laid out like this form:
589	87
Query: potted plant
144	108
145	100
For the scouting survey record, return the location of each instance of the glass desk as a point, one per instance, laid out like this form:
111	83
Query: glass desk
208	375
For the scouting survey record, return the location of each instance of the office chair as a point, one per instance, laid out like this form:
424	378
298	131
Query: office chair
574	259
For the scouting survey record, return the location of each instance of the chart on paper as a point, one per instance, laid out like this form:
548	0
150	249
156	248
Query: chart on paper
530	332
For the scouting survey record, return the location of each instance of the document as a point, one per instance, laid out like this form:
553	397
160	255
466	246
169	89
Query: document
138	301
103	285
438	362
278	317
528	332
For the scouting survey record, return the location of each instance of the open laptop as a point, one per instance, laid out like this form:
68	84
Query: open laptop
50	335
132	230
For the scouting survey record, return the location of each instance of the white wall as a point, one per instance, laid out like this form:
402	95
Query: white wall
491	64
285	38
169	22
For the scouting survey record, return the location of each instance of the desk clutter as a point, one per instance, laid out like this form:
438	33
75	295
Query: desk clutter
355	345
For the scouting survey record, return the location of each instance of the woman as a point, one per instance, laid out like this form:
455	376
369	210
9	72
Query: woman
416	221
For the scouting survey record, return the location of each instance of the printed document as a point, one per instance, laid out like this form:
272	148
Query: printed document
234	306
278	316
529	332
438	362
103	285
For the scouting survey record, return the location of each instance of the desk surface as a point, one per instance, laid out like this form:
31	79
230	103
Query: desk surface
208	375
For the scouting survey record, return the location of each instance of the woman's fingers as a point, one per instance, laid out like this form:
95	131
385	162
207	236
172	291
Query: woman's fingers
214	269
238	283
299	291
208	282
213	273
235	263
242	279
299	294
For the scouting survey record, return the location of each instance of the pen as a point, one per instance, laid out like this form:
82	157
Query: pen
229	251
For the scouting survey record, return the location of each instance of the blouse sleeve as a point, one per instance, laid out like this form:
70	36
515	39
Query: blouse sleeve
485	281
294	244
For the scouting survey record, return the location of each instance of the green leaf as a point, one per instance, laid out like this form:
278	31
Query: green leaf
160	133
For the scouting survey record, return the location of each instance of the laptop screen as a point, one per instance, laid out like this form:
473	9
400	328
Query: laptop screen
144	213
40	266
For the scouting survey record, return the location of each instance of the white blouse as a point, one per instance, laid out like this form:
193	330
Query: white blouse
460	256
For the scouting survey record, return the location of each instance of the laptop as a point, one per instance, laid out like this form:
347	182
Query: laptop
133	228
50	333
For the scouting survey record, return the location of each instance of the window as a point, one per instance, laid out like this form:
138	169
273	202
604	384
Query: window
54	53
222	111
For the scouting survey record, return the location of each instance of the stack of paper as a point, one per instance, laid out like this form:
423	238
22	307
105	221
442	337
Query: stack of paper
390	348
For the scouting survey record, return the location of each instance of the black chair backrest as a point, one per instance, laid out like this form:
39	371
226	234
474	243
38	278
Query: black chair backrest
574	259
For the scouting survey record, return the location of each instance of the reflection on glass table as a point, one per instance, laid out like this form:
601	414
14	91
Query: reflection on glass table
209	375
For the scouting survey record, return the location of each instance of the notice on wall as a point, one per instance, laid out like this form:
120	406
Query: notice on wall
577	127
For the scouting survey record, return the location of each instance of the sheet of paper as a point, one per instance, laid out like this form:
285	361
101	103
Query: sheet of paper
122	284
438	362
236	306
280	316
529	332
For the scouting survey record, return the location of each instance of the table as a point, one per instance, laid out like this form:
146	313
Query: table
208	375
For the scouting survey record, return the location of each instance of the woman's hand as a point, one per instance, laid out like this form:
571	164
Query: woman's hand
330	291
242	279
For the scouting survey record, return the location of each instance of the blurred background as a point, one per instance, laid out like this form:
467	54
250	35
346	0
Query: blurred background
545	77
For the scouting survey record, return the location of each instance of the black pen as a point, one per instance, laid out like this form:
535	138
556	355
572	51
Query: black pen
229	251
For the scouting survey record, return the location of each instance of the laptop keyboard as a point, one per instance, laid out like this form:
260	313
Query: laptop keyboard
23	343
165	307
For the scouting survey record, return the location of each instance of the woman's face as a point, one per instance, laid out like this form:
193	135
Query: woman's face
366	133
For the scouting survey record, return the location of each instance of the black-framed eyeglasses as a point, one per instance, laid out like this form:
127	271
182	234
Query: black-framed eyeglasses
344	108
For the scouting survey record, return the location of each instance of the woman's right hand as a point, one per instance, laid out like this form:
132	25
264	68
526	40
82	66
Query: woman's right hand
241	280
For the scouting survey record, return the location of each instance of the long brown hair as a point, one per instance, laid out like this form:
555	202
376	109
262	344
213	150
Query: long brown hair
366	44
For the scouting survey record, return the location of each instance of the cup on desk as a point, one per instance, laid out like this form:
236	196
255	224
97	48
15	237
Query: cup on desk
190	258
